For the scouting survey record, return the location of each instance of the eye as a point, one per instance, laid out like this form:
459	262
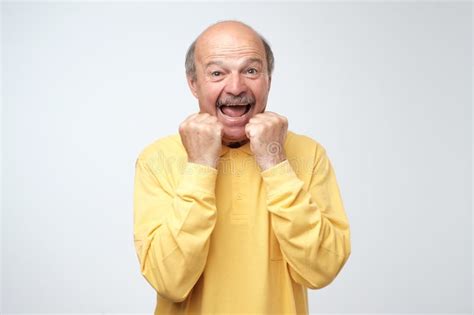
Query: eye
215	73
252	71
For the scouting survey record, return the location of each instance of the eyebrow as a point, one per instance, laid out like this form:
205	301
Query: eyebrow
246	62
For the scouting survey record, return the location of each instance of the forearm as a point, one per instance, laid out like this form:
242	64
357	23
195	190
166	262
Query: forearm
173	251
314	239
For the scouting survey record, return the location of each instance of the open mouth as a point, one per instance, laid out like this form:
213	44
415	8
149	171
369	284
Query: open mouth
236	110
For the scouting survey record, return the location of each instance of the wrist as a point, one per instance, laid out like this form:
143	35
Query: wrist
203	161
268	162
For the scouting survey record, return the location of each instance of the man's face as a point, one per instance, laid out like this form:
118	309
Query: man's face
232	81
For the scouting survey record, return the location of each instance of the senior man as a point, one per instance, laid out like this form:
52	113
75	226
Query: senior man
235	214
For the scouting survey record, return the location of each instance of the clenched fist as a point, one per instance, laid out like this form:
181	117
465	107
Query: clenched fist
201	135
267	132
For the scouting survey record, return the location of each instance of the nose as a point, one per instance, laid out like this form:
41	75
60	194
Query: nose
236	84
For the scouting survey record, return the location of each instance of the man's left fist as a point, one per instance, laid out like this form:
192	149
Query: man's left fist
267	132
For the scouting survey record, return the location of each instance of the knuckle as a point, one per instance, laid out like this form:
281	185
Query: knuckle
213	119
193	125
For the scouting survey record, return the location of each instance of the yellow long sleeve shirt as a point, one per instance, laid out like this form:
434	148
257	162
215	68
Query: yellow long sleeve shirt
235	239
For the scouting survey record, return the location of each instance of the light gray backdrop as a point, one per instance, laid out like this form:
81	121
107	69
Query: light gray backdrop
385	87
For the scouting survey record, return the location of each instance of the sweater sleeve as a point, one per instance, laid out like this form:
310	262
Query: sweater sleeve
310	224
172	227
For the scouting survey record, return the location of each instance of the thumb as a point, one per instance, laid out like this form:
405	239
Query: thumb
248	128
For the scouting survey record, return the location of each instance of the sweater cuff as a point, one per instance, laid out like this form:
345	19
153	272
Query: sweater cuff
198	177
279	176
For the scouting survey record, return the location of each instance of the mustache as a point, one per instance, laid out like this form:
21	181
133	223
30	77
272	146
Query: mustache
235	100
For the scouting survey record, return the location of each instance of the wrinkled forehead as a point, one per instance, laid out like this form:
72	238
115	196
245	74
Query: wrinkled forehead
228	44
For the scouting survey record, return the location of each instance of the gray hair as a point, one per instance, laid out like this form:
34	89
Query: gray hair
190	64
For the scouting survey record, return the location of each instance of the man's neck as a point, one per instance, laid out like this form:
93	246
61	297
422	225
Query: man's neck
237	144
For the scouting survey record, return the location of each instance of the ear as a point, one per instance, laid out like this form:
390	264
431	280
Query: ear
269	83
192	85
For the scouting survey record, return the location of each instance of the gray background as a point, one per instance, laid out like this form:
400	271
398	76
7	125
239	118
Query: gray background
385	87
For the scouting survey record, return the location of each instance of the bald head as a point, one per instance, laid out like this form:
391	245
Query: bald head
223	34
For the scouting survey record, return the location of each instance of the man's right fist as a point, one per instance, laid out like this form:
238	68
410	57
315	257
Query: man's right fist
201	135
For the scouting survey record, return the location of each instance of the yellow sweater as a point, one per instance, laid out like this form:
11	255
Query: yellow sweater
236	240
